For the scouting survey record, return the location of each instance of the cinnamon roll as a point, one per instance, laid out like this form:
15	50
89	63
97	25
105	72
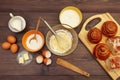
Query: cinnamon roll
94	35
101	51
109	28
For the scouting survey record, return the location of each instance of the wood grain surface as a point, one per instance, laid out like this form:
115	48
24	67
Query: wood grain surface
49	9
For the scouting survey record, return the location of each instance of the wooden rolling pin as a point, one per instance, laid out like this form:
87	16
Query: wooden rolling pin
71	67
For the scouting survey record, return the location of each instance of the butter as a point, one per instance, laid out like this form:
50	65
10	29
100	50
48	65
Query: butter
21	60
26	56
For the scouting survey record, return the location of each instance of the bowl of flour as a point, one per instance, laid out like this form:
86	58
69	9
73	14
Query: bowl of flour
33	45
71	16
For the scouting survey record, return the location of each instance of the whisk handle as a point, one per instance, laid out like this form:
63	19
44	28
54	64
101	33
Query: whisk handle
49	27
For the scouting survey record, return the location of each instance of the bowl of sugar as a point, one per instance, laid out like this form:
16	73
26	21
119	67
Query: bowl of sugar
33	45
70	15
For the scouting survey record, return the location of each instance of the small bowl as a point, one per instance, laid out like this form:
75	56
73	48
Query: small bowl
26	62
26	35
69	19
23	23
74	41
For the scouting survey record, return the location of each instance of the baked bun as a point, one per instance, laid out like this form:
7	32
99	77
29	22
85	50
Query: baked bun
114	44
101	51
109	28
94	35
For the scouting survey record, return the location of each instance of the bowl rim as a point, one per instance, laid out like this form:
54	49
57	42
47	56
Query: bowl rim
25	36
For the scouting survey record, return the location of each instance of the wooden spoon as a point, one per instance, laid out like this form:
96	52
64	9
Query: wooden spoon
71	67
34	37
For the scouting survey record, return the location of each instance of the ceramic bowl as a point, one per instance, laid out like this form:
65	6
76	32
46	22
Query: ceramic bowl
26	35
74	41
23	23
78	11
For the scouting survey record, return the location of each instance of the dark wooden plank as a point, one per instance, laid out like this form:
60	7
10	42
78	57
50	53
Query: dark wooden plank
54	78
56	5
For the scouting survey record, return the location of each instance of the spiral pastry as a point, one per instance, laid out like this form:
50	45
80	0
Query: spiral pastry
101	51
109	28
94	35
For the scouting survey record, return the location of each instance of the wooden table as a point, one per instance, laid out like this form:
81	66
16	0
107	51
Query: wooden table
49	9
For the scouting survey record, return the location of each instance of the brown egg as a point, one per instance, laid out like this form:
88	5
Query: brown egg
11	39
39	59
47	61
14	48
46	53
6	45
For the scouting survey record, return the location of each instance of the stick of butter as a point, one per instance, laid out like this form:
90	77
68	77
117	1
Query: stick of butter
26	56
21	60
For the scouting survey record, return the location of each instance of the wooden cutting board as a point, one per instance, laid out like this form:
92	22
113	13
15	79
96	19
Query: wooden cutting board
83	37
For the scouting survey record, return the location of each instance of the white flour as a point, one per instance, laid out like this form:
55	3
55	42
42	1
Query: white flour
70	17
34	44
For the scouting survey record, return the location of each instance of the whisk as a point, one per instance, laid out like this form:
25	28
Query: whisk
60	40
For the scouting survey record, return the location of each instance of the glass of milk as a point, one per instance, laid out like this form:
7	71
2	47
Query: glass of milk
16	23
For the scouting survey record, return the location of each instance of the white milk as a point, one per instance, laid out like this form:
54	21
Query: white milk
16	24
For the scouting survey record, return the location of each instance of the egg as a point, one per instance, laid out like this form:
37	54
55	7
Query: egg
14	48
46	53
39	59
11	39
47	61
6	45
